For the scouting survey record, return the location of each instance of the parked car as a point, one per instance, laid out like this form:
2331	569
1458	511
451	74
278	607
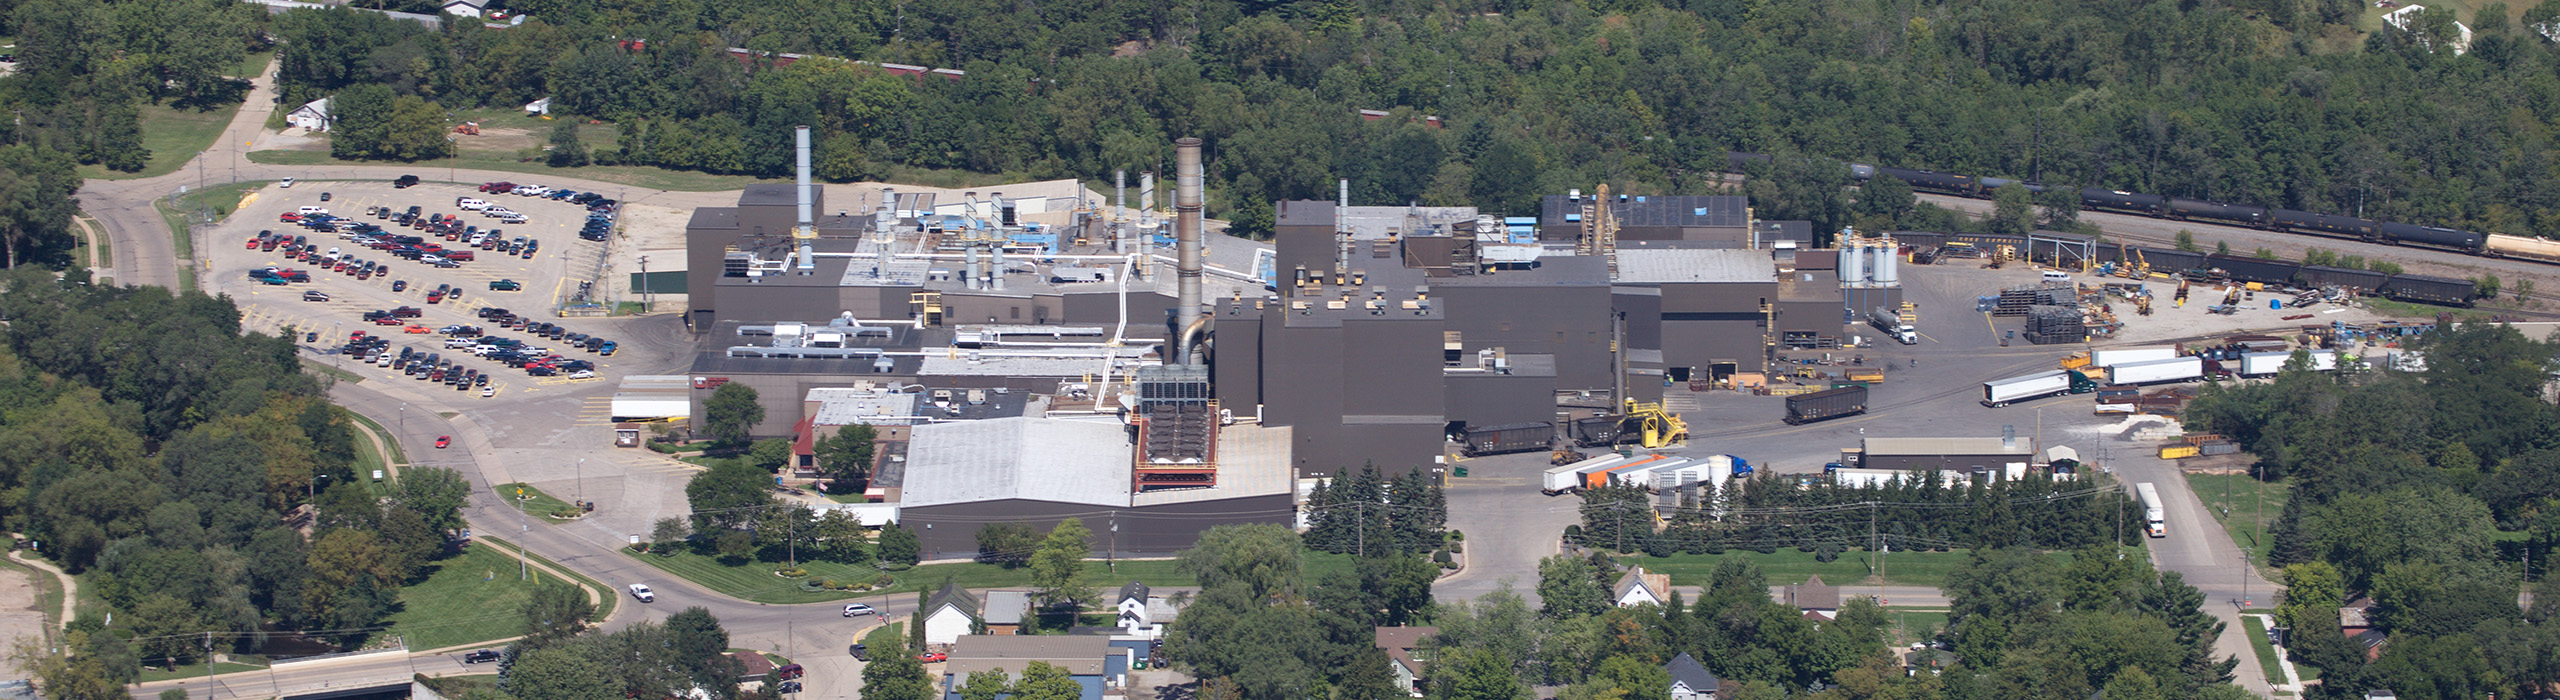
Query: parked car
324	196
641	591
933	657
787	687
405	182
505	286
286	183
484	655
315	296
399	285
859	609
860	652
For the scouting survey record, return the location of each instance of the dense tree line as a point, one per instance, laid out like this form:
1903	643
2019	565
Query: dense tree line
736	518
2262	102
1260	630
195	475
1931	512
2401	483
1370	514
561	658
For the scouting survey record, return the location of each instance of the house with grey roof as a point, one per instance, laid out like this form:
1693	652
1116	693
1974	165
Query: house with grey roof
1690	679
1815	598
1006	612
1091	661
1638	587
950	613
1402	645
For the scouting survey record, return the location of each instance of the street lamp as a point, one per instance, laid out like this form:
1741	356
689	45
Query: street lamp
644	284
582	482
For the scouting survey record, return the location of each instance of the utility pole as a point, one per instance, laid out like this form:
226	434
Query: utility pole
581	474
524	563
1111	559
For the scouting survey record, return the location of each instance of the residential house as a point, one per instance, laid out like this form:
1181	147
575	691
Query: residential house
1088	659
1690	680
1815	599
1007	611
1399	643
1638	587
1142	613
464	8
2353	621
313	116
951	613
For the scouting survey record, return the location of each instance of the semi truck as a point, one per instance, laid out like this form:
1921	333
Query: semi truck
2264	363
2118	356
2176	369
1892	325
1825	405
1565	479
2002	392
2155	519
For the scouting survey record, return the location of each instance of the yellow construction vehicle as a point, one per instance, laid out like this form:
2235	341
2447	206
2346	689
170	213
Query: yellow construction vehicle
2076	360
2138	268
1658	428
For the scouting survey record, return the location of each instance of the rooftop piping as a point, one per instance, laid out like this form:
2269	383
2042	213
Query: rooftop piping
1186	208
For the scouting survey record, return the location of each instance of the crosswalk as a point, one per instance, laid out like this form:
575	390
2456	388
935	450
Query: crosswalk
595	410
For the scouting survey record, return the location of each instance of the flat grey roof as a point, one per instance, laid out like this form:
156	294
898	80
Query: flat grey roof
1648	211
1945	446
713	218
1668	266
875	409
1037	459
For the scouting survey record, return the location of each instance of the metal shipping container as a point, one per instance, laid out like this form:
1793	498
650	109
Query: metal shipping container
2157	371
2002	392
2219	448
1821	405
2430	289
2247	269
2117	356
1505	439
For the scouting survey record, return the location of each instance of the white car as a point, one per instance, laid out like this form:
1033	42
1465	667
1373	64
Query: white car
488	391
583	374
471	204
859	609
288	183
642	592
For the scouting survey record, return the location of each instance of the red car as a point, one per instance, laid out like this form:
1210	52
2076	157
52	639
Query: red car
443	440
387	321
253	243
932	657
460	255
289	217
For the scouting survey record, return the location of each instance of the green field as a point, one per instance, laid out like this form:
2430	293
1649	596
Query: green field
2235	499
199	206
475	597
397	455
1915	625
640	176
1792	566
755	582
533	501
341	375
2266	650
174	136
605	595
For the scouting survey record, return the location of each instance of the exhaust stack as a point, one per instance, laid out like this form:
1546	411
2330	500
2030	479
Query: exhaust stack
881	223
1186	211
807	232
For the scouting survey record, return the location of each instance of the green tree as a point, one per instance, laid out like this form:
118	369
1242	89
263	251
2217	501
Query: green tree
567	150
1057	568
1475	675
986	685
1043	681
895	676
2013	211
771	455
2313	591
699	643
898	546
1567	588
731	411
437	494
845	458
840	537
2134	684
416	131
559	673
2061	207
1265	559
2187	241
555	613
729	496
668	534
1007	544
2222	247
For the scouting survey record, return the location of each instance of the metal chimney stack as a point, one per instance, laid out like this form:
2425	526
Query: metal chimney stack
995	267
881	223
1186	212
1120	211
1344	201
1146	196
971	272
807	233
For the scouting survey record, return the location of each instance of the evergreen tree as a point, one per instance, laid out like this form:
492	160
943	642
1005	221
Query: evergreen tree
899	546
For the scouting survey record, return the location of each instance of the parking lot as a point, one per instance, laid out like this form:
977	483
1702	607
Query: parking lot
491	279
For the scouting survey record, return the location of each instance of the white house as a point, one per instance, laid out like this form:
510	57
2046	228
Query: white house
313	116
1132	607
1691	680
463	8
950	613
1638	587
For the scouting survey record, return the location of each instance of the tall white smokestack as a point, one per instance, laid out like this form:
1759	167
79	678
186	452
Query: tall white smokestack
995	266
1186	212
1120	211
881	223
807	233
971	273
1344	201
1146	196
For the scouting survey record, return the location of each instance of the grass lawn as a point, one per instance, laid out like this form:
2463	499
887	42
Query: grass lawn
881	635
206	205
174	136
1915	625
2234	499
2402	309
606	596
640	176
194	670
534	501
397	456
1792	566
324	369
755	582
474	597
2266	650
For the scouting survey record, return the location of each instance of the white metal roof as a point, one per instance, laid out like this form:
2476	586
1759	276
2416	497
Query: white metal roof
1946	446
1040	459
1662	265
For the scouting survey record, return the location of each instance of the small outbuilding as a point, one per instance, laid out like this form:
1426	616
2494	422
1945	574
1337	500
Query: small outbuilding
313	116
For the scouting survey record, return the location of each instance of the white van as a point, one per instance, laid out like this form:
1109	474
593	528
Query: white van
2056	276
471	204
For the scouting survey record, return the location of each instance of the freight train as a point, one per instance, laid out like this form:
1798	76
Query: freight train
2250	215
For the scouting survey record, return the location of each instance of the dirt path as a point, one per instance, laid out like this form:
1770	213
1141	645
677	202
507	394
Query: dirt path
70	586
90	234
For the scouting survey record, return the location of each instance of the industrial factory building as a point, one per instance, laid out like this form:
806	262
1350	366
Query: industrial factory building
1195	375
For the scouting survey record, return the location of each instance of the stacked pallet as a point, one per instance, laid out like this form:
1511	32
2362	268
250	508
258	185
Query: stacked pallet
2055	324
